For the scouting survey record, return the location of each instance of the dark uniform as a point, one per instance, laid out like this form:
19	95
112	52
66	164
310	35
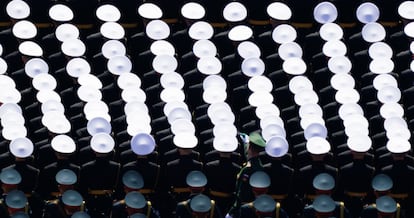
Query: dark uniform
263	205
197	204
385	205
222	175
56	208
98	179
133	200
355	190
325	204
244	192
47	185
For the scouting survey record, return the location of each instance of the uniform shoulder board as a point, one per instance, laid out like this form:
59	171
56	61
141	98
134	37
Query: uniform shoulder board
55	201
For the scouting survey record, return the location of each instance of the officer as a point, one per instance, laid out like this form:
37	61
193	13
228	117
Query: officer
222	174
384	206
262	206
200	206
99	177
255	145
133	203
149	170
175	174
306	174
22	149
14	202
323	206
10	180
400	171
63	147
281	177
65	206
355	191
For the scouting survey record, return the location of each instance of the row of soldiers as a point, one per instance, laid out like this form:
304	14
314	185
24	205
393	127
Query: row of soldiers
70	203
97	181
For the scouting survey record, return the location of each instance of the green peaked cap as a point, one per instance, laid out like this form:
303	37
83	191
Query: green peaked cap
257	139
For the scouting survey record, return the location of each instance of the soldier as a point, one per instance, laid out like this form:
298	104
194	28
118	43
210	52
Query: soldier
323	206
22	149
65	205
355	191
99	177
384	206
133	203
222	174
149	170
64	147
281	177
262	206
15	201
323	184
255	145
175	174
200	206
196	181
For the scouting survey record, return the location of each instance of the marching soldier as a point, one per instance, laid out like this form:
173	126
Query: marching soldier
99	177
15	201
133	203
200	206
64	206
243	189
262	206
384	206
64	148
323	206
66	180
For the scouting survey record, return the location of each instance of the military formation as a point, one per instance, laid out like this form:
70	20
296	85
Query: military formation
56	179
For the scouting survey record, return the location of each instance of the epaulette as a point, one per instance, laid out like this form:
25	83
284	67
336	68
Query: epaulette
55	201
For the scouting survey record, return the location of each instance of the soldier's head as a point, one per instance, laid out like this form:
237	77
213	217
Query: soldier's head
256	145
318	148
132	181
264	206
10	179
323	184
135	202
66	180
386	207
72	202
324	206
16	201
196	181
359	148
260	182
80	214
399	149
192	12
64	146
142	144
279	13
200	206
21	148
102	144
277	147
382	185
